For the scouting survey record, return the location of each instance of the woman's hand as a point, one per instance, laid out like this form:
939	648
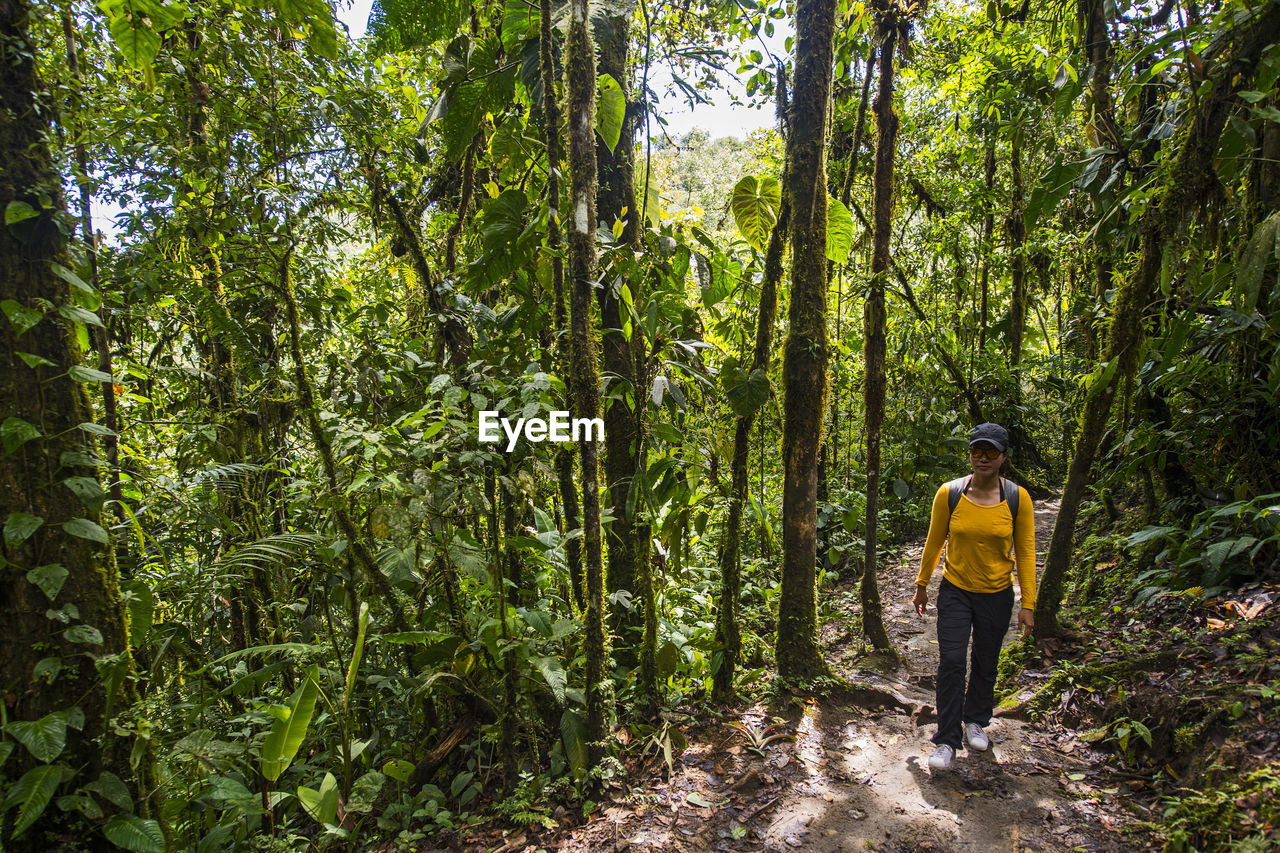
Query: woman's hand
1026	621
921	599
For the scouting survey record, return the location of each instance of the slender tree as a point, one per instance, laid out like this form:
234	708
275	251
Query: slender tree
580	96
804	369
874	319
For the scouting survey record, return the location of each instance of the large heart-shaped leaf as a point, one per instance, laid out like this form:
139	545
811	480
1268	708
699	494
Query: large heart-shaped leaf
754	203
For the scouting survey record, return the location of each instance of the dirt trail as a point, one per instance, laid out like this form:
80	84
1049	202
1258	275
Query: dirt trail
842	776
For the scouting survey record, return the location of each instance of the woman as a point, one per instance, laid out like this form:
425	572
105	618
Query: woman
976	597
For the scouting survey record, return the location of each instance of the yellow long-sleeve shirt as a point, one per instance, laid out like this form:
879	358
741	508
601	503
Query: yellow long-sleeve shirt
978	541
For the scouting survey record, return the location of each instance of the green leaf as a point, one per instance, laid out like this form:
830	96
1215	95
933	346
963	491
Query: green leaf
573	732
96	429
49	578
6	749
746	394
1052	188
755	203
227	790
462	119
76	282
33	791
553	672
15	432
88	490
44	738
76	314
611	110
539	621
356	654
34	361
322	805
137	42
667	433
19	526
839	231
86	529
110	788
1253	263
19	211
398	769
22	319
83	634
133	833
80	373
289	728
141	604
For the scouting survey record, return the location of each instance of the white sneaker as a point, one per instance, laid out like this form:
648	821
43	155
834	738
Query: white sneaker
941	758
976	738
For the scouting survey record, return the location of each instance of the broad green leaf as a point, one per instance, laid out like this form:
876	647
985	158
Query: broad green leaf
746	394
839	231
137	42
19	526
76	282
356	654
22	319
573	732
133	833
289	728
140	602
44	738
398	769
1253	263
49	578
110	787
86	529
1052	188
88	490
6	749
34	361
322	805
79	315
19	211
227	790
15	432
86	634
33	792
611	110
553	672
755	203
539	621
80	373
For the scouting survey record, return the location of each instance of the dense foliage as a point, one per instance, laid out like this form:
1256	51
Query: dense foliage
350	619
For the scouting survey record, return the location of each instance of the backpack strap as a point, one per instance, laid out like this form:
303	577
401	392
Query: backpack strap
1012	496
955	489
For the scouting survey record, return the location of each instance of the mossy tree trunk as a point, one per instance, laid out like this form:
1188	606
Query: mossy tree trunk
728	633
555	243
1187	180
804	368
55	555
580	96
625	421
874	320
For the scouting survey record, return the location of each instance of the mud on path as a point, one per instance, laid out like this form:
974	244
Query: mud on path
850	773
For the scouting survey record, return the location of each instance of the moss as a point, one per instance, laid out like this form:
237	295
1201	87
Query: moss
1239	815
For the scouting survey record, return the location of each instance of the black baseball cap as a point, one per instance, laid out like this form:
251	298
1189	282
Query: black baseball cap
992	434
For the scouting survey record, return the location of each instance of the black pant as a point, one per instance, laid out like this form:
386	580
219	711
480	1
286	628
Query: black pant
959	611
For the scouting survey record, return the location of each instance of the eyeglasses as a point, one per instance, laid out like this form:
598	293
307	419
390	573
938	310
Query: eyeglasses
984	453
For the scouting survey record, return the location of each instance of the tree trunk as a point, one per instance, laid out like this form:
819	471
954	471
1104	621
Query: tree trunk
728	635
988	229
1190	182
1017	260
874	328
625	425
54	553
564	455
804	369
580	91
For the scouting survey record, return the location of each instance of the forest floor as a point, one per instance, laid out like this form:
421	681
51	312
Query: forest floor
847	771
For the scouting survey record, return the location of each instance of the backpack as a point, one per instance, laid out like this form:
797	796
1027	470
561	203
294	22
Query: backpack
1009	493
